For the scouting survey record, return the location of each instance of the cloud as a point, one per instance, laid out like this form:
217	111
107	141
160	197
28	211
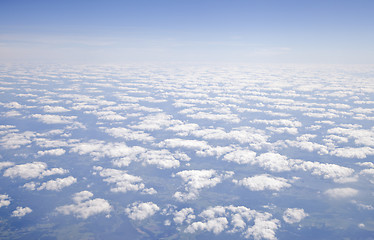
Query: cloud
6	164
99	149
184	215
32	170
53	152
161	158
195	180
16	140
338	193
154	122
294	215
123	181
4	200
263	182
58	184
85	207
129	135
184	143
273	162
241	157
349	152
232	118
54	109
21	212
54	119
231	219
139	211
279	122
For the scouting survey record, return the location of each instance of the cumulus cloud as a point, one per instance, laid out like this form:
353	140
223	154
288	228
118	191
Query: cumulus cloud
16	140
231	219
6	164
241	157
99	149
54	119
294	215
129	134
52	152
154	122
4	200
139	211
21	212
263	182
32	170
161	158
58	184
195	180
184	143
123	182
338	193
54	109
84	207
184	215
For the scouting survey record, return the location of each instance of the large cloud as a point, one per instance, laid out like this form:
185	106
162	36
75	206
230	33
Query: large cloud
263	182
32	170
338	193
195	180
294	215
141	210
84	207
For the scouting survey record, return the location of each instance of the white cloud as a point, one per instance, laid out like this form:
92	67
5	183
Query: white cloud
123	181
54	119
263	182
184	143
195	180
21	212
273	162
232	118
32	170
85	207
230	219
154	122
338	193
99	149
241	157
279	122
53	152
4	200
141	210
58	184
129	135
184	215
294	215
16	140
54	109
161	158
6	164
349	152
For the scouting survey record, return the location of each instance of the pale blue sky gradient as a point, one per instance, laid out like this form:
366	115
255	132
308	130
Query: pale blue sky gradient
264	31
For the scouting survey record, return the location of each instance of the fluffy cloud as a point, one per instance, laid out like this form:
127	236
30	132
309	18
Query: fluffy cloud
154	122
161	158
53	152
184	215
195	180
231	219
350	152
21	212
338	193
54	119
123	181
4	200
141	210
184	143
16	140
32	170
54	109
263	182
6	164
58	184
294	215
98	149
85	207
129	134
241	157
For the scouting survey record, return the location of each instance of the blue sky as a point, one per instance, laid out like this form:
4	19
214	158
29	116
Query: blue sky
187	31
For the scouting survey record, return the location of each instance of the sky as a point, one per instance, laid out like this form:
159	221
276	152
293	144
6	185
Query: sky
191	31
